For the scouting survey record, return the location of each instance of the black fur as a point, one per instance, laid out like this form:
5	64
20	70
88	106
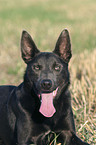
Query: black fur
21	120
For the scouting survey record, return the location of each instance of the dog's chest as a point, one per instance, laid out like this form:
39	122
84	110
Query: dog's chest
42	129
44	126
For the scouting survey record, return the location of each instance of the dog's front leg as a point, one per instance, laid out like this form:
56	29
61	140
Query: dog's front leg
70	138
23	129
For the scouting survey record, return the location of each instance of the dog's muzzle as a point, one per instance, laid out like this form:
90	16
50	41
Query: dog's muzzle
46	84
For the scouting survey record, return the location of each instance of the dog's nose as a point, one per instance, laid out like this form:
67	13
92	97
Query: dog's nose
46	84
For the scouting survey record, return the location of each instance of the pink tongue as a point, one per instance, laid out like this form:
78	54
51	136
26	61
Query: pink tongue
47	108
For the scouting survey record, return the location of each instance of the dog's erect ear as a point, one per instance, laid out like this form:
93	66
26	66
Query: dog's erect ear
28	47
63	46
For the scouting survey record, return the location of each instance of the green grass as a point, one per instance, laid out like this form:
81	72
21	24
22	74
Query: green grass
48	18
44	20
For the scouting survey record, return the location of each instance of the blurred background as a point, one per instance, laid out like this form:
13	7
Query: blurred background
44	20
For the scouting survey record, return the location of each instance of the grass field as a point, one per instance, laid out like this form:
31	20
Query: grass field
44	20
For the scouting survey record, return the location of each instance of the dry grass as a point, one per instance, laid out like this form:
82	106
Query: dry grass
83	90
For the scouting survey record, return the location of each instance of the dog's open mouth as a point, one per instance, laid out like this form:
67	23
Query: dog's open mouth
47	108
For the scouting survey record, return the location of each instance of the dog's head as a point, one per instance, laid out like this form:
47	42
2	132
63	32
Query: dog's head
47	72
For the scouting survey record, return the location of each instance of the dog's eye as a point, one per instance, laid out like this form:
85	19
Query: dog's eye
57	67
37	67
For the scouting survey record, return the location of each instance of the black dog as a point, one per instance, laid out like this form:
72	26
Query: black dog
39	110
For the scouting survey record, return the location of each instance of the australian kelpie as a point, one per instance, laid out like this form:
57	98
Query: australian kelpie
39	111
